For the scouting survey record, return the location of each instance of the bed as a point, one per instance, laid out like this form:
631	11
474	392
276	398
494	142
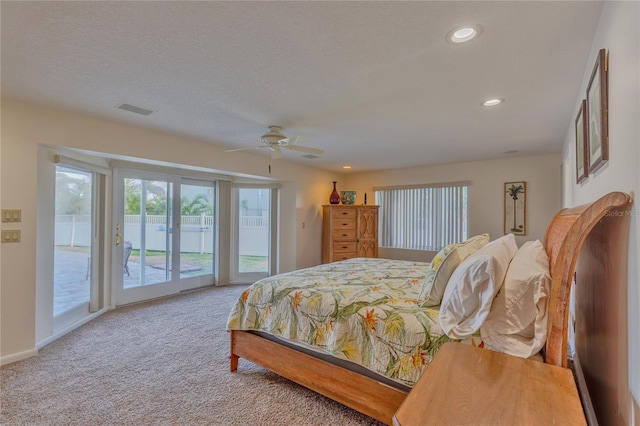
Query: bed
362	339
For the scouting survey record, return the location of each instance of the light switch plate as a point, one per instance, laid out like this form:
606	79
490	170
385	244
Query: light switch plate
11	215
10	235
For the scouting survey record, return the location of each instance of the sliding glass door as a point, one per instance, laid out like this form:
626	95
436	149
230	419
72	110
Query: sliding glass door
197	230
164	240
146	231
75	271
254	232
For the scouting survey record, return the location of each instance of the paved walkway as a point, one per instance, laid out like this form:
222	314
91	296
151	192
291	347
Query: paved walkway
71	283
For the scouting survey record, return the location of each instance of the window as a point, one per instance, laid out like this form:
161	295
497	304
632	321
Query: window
255	226
77	206
423	217
74	238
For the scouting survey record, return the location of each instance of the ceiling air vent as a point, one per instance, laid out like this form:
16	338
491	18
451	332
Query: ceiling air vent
133	108
311	156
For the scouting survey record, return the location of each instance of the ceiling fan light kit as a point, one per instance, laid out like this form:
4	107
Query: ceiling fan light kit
273	137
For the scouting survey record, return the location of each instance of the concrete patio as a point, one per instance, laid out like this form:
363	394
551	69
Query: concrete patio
71	284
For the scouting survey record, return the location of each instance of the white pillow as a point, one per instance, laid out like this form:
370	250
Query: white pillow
443	265
517	322
473	286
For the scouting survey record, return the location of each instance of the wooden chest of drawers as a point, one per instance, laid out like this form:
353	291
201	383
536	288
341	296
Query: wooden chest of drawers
349	231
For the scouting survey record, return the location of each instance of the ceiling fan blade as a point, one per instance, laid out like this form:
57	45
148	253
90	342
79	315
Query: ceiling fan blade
276	153
294	140
314	151
243	149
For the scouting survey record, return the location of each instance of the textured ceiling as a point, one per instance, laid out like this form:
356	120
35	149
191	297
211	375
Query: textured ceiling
374	84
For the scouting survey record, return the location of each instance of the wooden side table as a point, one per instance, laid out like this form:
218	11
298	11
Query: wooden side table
467	385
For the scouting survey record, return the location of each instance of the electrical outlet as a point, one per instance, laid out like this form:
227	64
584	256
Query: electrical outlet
10	235
11	215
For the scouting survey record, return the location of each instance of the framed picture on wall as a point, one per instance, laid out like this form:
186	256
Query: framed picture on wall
597	114
582	156
515	208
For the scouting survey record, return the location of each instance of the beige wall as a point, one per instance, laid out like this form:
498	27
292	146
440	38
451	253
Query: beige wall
618	31
304	190
486	202
25	127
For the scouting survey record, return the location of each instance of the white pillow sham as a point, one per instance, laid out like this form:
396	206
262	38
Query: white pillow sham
473	286
443	265
517	322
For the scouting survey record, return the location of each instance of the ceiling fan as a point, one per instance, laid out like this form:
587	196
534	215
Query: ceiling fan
276	142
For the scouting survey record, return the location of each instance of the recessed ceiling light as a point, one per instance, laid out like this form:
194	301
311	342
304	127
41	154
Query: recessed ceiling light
346	167
492	102
463	34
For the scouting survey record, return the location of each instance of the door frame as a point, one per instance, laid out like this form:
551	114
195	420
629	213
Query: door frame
124	296
174	284
48	328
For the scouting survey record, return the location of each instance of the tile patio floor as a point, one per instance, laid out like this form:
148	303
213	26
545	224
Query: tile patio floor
71	285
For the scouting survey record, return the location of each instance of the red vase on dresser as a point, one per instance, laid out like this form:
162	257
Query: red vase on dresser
335	197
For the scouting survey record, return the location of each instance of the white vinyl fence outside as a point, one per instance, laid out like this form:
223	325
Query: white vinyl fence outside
196	231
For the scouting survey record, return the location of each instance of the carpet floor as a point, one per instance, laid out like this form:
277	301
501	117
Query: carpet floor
163	362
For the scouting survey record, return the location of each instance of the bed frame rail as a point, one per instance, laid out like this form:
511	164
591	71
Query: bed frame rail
363	394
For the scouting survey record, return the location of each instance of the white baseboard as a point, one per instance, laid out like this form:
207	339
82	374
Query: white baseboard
10	359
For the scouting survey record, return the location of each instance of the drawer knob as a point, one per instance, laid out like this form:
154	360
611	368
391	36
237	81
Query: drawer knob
344	235
344	247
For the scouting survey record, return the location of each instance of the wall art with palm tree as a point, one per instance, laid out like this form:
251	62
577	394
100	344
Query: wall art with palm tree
515	208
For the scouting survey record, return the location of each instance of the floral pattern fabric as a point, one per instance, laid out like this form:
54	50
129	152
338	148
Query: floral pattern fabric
362	310
443	265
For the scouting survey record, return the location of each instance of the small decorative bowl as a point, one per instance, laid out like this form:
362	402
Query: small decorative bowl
348	197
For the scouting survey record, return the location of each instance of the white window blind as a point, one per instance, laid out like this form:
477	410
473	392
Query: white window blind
426	217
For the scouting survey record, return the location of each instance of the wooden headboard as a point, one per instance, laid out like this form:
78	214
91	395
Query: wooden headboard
601	357
563	241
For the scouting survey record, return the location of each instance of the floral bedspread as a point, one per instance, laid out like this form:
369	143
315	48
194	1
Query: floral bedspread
362	310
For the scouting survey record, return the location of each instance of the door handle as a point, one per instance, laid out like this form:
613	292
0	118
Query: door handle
118	236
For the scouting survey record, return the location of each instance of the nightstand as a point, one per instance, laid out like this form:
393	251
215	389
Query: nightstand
468	385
